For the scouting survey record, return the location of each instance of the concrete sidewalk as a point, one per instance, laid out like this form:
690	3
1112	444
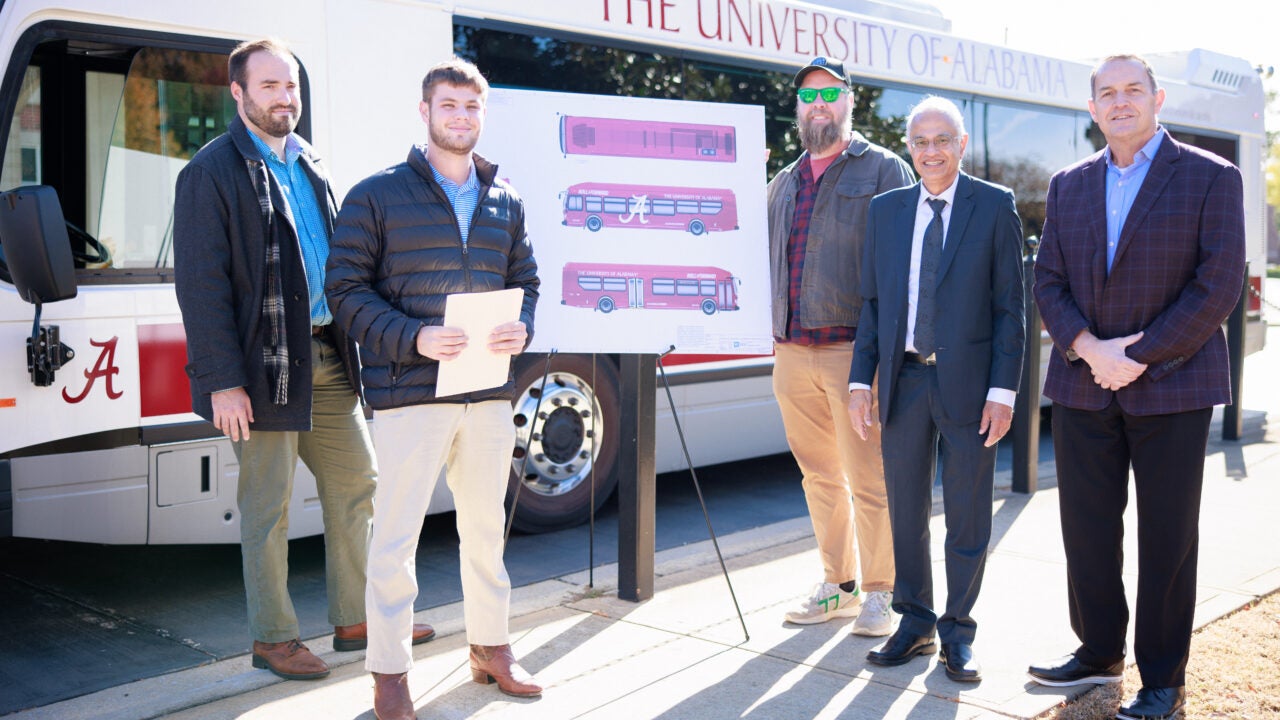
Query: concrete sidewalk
683	655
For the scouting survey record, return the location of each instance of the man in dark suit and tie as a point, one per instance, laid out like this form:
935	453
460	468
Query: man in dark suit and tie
943	320
1142	260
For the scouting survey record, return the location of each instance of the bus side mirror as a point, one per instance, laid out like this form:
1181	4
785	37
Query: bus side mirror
37	251
36	247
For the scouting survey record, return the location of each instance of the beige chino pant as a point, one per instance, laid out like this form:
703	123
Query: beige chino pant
475	441
843	475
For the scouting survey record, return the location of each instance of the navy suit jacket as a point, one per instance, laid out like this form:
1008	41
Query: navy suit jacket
980	328
1178	272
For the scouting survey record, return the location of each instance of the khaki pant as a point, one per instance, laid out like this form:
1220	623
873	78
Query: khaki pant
339	453
843	474
475	441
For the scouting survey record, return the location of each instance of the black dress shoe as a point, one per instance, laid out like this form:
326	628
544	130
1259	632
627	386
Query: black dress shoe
900	648
1153	704
958	660
1068	670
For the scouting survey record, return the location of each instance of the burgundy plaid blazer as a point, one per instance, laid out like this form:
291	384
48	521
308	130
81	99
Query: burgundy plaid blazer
1178	272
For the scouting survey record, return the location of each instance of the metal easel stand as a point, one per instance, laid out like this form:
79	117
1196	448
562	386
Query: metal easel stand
684	447
524	464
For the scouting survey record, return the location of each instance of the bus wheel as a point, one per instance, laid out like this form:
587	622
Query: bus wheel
709	306
594	223
605	303
575	432
697	227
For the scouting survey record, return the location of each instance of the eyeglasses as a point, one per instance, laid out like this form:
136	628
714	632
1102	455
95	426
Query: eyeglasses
830	94
942	142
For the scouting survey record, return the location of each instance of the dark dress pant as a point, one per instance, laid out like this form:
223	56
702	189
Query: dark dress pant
1094	451
915	437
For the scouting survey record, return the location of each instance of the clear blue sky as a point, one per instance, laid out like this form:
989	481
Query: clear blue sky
1082	29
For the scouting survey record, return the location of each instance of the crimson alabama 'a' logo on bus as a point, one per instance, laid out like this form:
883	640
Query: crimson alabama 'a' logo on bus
655	139
655	207
605	286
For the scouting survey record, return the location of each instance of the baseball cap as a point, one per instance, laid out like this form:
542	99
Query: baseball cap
832	67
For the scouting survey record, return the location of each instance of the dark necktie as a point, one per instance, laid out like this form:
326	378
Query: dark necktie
926	302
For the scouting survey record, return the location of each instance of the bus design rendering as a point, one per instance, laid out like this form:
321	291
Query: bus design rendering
605	286
656	139
698	210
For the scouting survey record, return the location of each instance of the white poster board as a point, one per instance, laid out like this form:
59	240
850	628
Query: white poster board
647	219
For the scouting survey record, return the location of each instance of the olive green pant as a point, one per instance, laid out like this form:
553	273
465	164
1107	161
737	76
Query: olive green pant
339	452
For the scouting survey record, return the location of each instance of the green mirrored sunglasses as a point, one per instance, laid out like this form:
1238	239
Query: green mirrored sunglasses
808	95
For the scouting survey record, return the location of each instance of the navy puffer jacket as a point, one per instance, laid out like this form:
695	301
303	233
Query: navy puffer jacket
397	253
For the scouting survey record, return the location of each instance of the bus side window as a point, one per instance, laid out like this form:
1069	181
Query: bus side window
712	207
594	204
708	287
108	119
615	284
664	207
573	202
686	287
663	287
589	283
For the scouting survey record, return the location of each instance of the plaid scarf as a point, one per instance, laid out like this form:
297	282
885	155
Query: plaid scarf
275	345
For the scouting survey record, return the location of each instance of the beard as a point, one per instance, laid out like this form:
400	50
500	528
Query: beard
445	140
273	125
817	138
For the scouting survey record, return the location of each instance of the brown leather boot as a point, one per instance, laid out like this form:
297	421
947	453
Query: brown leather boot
356	637
495	663
391	698
290	660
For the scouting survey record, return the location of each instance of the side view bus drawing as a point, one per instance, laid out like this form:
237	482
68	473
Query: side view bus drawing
656	139
698	210
605	286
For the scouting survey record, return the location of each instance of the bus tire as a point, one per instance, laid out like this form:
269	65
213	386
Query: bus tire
709	306
594	223
557	480
605	304
697	227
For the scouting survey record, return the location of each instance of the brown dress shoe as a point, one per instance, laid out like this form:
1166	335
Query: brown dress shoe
356	637
391	699
290	660
495	663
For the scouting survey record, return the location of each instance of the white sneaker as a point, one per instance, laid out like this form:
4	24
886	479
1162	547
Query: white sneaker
827	601
876	618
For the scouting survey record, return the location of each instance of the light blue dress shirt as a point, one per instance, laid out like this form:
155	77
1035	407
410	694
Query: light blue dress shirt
464	198
313	234
1122	189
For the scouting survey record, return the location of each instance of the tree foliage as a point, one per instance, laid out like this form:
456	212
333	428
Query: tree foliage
523	61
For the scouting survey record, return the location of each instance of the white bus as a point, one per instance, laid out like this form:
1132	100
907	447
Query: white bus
105	100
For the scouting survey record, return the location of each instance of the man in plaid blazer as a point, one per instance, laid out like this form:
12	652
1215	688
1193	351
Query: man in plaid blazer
1142	259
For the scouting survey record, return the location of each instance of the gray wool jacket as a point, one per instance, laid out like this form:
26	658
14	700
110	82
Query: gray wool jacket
829	295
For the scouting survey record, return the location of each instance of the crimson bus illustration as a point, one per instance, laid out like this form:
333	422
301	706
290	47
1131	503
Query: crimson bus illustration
657	139
605	286
655	207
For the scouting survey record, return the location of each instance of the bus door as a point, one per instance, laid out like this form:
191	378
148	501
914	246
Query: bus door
635	292
727	300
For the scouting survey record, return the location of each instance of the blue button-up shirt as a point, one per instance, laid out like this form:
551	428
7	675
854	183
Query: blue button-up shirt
1123	184
464	198
313	234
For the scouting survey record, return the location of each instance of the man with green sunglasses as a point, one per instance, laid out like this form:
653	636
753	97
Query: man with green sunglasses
817	222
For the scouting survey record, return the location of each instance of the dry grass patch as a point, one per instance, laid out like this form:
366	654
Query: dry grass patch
1234	671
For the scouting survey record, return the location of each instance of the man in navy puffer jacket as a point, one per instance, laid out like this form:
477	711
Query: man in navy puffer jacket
406	238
